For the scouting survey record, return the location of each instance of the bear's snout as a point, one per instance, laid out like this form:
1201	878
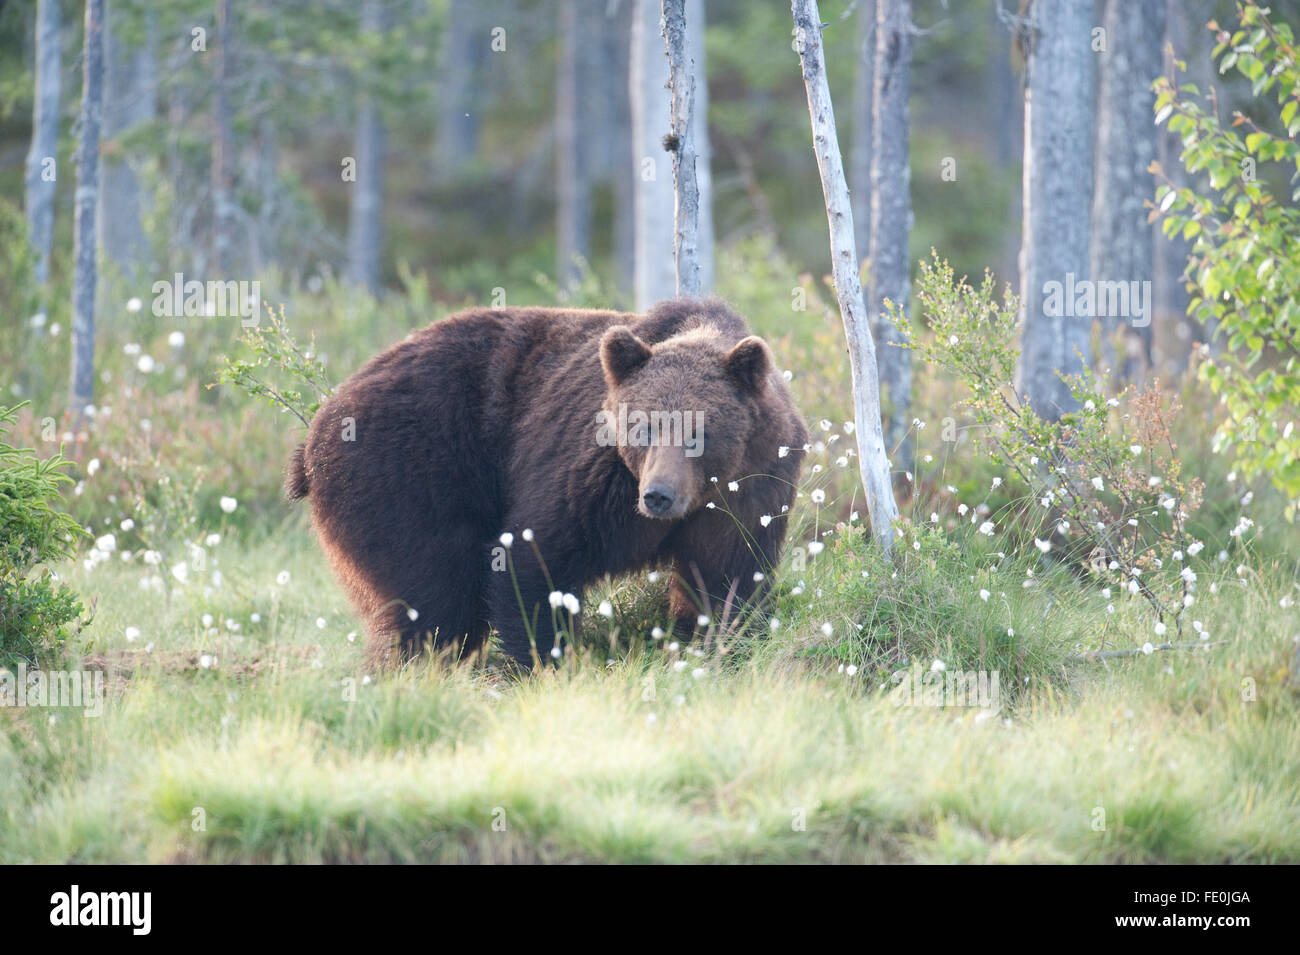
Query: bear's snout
658	500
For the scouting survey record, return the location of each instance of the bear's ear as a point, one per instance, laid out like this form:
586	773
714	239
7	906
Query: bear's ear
750	362
622	353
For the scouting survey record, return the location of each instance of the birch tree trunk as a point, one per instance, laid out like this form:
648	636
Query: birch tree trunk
1056	36
366	208
873	462
695	31
223	146
130	100
42	157
82	383
860	150
1123	242
655	271
654	263
572	187
686	189
622	163
891	214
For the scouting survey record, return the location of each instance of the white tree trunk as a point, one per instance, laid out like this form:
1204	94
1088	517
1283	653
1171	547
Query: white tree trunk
41	158
130	100
1123	242
366	209
654	265
891	213
873	462
572	164
82	383
1056	35
695	27
622	171
686	189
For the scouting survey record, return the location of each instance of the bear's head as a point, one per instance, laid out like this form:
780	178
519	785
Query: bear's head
685	412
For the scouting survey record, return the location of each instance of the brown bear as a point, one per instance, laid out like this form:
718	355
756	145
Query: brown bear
605	442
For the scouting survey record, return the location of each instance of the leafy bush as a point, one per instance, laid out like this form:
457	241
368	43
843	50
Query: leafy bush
276	351
1106	488
1244	266
35	609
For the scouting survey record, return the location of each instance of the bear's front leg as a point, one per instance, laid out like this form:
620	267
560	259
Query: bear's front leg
721	566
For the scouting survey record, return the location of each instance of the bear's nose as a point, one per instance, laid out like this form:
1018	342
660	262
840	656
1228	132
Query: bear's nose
658	500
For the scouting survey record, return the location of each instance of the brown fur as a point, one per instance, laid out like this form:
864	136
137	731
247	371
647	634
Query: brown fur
485	422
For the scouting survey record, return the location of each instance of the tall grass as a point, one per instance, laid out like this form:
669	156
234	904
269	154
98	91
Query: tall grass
241	724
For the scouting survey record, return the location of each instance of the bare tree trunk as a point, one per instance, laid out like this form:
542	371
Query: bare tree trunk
655	269
43	154
654	263
1056	36
860	150
686	189
223	145
130	100
891	213
366	210
1123	242
695	29
622	170
573	192
873	462
82	383
463	50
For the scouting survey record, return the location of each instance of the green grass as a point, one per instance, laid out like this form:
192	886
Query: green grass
764	751
257	735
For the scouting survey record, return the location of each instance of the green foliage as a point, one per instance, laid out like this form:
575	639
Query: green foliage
35	609
275	350
1105	487
1244	266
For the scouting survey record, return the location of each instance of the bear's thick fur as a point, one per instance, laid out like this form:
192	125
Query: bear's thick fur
490	421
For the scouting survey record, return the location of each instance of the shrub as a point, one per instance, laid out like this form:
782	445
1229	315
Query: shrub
1244	269
35	609
277	355
1106	488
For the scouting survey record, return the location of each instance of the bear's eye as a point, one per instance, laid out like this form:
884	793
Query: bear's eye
697	443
